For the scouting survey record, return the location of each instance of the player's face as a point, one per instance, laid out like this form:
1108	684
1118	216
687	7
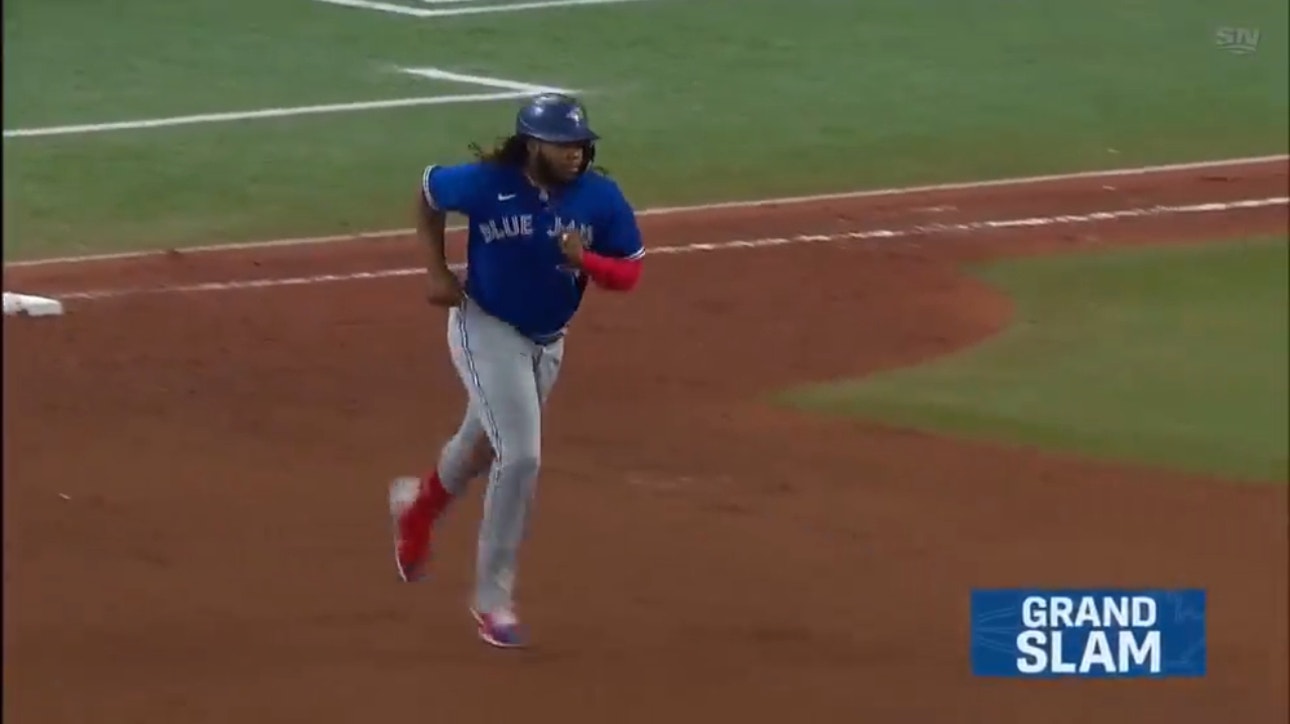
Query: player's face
560	161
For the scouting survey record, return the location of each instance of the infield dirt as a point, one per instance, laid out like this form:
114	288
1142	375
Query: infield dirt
195	525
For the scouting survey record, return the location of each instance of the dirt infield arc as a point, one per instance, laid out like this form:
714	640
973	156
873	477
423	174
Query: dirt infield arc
195	521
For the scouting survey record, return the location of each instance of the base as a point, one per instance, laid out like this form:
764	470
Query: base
31	306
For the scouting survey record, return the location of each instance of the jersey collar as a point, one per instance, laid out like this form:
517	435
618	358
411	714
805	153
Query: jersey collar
536	191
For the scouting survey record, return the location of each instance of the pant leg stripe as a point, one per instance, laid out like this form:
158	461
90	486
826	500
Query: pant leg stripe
490	424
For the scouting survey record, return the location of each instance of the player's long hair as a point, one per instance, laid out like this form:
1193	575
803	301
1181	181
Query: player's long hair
509	151
513	151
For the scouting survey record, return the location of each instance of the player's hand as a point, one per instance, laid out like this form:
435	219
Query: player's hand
572	245
443	288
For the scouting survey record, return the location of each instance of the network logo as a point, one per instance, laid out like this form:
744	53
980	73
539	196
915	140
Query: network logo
1237	41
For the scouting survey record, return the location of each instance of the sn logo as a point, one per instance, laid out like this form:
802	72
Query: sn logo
1238	41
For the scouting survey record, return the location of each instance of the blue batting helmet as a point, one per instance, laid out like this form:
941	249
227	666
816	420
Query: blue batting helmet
554	118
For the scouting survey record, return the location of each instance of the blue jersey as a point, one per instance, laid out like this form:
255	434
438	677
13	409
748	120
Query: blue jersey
515	268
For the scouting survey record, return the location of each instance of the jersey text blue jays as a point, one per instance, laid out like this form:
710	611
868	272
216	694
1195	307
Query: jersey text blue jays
515	268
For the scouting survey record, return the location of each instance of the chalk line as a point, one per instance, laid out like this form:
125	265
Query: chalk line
847	236
501	89
416	12
486	81
700	208
263	113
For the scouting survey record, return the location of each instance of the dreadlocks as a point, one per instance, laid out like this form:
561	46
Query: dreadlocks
510	151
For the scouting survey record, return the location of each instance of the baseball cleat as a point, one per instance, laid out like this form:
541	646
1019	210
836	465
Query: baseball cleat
500	628
414	506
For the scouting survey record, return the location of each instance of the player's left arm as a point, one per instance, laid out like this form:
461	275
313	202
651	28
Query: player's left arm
615	257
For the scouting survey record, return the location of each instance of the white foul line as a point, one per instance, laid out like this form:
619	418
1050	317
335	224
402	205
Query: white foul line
697	208
502	88
499	83
846	236
259	114
472	10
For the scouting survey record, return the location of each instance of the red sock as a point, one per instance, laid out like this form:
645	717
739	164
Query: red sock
433	494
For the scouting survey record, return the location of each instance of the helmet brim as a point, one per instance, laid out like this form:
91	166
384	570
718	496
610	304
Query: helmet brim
587	136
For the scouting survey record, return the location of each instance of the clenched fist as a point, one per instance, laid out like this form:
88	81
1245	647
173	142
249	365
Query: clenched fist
572	244
443	288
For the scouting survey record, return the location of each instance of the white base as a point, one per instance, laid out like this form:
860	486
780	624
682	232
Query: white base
31	306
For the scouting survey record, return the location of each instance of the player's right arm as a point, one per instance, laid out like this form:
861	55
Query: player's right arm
614	259
443	189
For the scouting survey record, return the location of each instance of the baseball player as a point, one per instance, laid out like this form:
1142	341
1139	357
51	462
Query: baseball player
542	224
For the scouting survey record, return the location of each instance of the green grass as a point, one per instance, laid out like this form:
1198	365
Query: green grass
1175	357
698	101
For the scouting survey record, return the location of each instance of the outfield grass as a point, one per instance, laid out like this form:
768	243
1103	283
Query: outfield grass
698	101
1175	357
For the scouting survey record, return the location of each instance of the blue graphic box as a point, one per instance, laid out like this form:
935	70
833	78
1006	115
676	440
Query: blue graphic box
1088	633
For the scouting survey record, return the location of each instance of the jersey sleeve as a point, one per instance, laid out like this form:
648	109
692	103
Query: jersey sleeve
622	239
453	188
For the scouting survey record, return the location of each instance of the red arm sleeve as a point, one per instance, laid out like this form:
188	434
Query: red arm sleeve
619	275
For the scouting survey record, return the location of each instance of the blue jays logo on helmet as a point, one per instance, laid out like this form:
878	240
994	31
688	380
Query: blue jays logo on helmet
554	118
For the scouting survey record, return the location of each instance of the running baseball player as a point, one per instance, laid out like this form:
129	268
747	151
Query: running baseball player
542	224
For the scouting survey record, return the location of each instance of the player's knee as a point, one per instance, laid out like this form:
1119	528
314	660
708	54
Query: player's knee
521	463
